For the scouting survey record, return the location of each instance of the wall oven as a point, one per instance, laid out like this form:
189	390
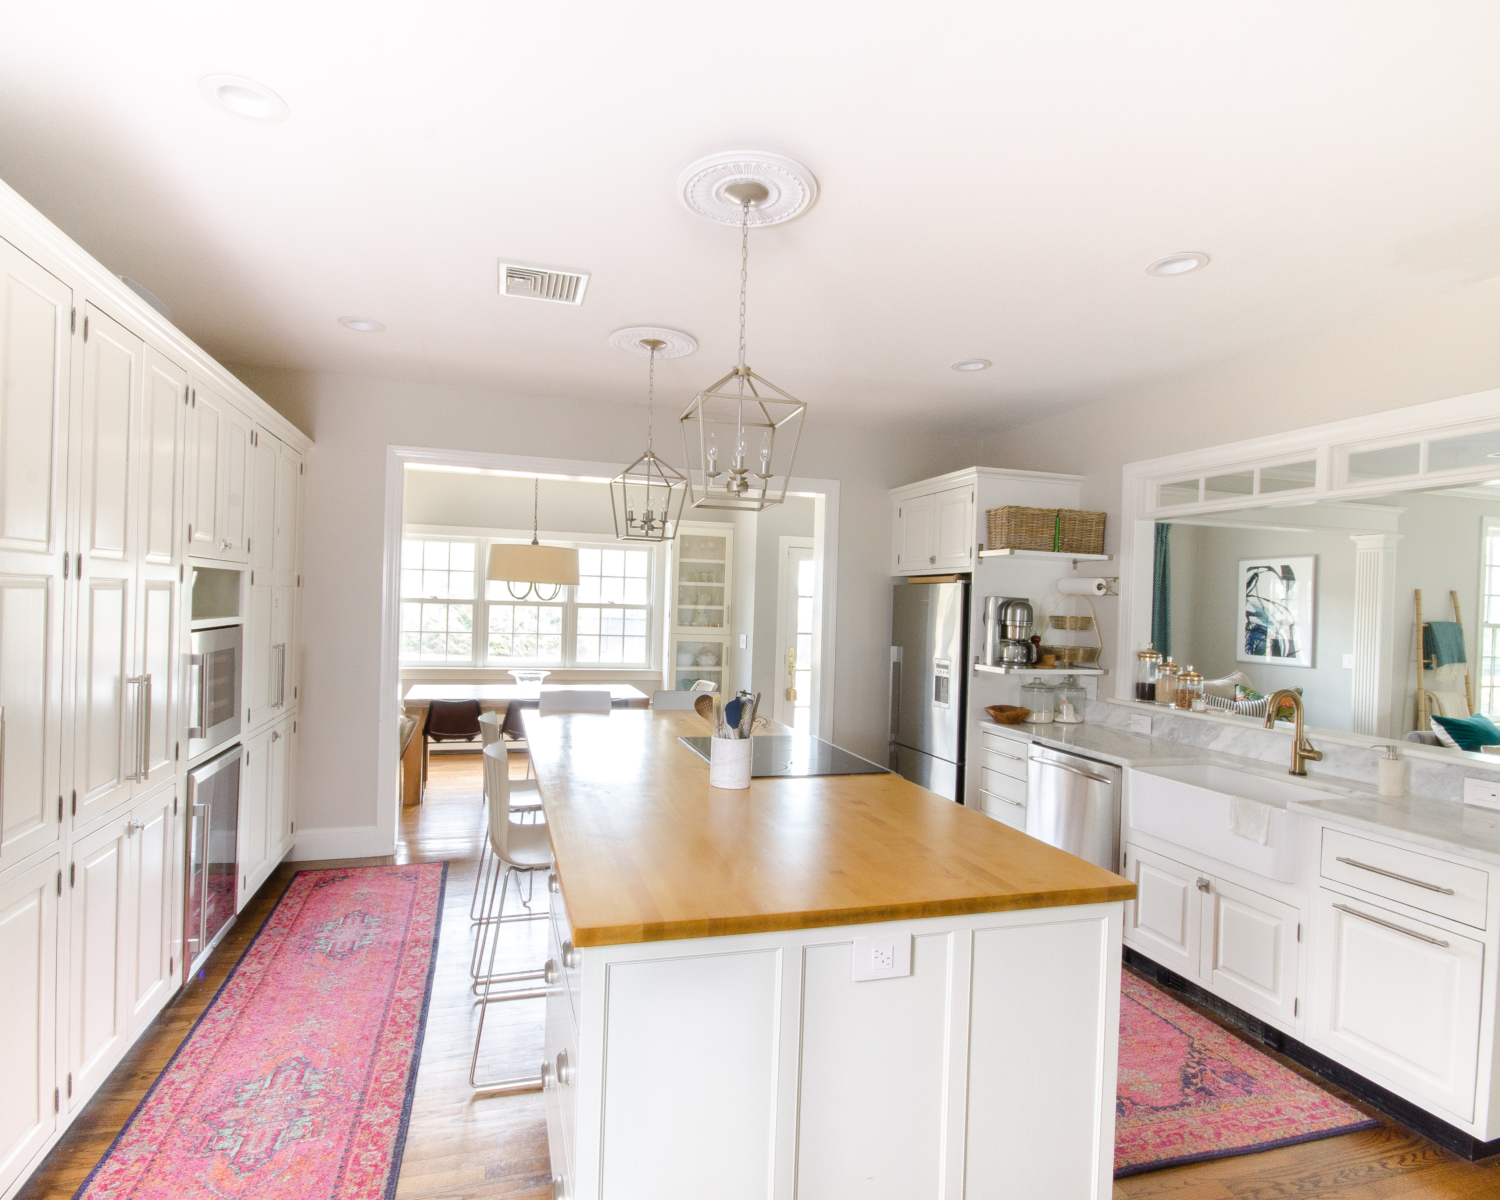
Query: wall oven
215	688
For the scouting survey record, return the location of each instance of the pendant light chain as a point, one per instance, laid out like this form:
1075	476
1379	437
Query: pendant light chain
536	492
744	273
650	397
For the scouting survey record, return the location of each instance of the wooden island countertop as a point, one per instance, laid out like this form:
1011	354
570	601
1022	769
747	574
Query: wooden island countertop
646	851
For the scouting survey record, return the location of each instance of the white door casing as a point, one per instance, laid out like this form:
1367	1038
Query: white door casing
795	622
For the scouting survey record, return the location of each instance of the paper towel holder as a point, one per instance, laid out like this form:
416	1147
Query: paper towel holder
1112	585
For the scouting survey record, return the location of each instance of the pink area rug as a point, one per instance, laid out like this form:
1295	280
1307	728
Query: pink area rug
296	1083
1189	1091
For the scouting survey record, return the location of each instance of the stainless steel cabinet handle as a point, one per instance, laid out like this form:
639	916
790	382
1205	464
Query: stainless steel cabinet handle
1006	799
137	682
564	1068
1057	766
145	701
553	885
1431	887
550	973
1204	885
1002	754
570	956
548	1074
199	663
1421	937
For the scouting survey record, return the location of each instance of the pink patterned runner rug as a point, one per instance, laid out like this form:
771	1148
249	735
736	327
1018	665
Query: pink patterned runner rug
296	1082
1190	1091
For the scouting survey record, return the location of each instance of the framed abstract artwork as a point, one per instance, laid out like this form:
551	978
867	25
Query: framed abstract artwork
1277	609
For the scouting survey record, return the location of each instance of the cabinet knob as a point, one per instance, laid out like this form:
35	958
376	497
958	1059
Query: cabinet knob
932	558
549	1076
570	956
550	973
564	1068
1203	885
552	885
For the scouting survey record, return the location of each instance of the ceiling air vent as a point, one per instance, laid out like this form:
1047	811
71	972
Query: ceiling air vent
542	283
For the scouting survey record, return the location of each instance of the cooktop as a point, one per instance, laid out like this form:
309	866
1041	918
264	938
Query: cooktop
778	755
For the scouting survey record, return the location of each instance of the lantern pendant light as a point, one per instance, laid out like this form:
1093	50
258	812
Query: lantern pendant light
742	424
535	564
647	496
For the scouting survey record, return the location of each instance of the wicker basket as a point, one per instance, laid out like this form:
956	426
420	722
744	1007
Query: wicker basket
1080	531
1070	622
1083	655
1016	528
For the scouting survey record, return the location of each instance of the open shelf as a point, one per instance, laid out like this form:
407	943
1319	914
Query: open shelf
1014	669
1058	554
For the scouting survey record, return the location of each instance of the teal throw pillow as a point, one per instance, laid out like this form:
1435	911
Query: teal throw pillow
1469	733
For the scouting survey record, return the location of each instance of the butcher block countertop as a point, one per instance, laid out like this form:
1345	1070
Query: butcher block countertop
646	851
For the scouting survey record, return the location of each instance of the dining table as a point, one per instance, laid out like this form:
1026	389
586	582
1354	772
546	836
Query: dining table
507	698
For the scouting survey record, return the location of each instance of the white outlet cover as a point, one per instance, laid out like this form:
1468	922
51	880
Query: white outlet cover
1482	792
1348	662
1140	723
744	641
887	957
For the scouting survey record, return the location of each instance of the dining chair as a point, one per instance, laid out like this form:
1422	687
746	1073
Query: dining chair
567	700
519	849
673	701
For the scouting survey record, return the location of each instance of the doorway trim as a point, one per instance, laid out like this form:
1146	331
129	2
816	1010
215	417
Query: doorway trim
825	495
785	543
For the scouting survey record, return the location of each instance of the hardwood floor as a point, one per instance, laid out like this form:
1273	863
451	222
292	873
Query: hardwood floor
463	1148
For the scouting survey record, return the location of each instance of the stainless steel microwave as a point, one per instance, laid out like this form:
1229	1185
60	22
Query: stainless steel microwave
215	688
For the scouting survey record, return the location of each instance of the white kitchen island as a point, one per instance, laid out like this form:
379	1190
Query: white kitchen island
706	1037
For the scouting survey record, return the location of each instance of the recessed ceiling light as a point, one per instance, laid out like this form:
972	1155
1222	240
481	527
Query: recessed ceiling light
1179	264
244	97
971	364
361	324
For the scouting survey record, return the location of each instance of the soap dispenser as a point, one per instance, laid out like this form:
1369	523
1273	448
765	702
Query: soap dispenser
1393	772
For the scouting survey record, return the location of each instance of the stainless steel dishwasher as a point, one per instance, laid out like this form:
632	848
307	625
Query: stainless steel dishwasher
1073	803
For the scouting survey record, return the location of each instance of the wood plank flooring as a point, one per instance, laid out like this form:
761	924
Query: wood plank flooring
462	1148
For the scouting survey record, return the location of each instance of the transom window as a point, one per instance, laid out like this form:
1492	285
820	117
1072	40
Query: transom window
605	620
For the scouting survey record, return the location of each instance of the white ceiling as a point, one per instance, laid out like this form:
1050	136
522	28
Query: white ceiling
994	176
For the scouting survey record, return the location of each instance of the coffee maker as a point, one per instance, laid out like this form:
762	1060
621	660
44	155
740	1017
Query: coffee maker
1007	631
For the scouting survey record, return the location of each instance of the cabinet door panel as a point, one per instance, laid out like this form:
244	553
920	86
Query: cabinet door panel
916	548
260	634
953	529
288	487
153	849
28	1008
1254	952
263	456
98	1028
235	483
205	433
276	797
1164	920
157	658
112	375
254	815
1399	999
100	743
30	711
162	429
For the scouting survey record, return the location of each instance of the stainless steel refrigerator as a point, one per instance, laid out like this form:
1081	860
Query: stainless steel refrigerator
929	689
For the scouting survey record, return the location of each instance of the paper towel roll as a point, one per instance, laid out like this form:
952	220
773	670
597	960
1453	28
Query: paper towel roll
1083	587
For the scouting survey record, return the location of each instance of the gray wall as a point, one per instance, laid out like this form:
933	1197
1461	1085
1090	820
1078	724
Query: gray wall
792	519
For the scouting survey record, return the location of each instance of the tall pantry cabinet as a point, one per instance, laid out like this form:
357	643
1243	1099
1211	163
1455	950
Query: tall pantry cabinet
127	458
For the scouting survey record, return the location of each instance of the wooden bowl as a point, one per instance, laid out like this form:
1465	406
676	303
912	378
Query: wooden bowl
1008	714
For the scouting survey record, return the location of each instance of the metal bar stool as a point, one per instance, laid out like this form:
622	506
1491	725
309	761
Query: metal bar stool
491	730
520	849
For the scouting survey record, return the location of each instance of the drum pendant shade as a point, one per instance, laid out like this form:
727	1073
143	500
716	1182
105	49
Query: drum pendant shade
532	564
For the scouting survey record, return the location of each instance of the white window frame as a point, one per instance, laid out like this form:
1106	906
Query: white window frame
1484	695
568	598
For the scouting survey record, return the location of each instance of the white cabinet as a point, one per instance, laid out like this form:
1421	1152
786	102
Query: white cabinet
35	315
702	612
1237	943
219	477
935	532
28	1008
99	949
268	652
270	626
1003	769
1399	999
265	812
154	925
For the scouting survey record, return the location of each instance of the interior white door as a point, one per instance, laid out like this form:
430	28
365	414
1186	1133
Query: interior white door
795	621
99	986
1399	999
28	1015
105	747
35	317
154	851
1164	921
1253	948
953	530
916	536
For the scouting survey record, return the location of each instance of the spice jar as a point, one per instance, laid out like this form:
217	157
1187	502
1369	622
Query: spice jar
1166	683
1190	690
1038	697
1147	662
1069	702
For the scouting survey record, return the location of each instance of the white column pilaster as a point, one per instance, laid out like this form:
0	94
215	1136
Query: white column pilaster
1374	612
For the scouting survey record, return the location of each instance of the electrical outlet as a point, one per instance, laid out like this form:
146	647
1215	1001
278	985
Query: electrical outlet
881	958
1482	792
1140	723
1348	662
744	641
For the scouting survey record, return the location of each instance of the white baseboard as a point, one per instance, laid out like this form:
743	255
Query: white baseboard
349	841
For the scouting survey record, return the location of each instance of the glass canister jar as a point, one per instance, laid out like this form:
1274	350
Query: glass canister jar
1166	683
1190	689
1038	696
1147	662
1069	701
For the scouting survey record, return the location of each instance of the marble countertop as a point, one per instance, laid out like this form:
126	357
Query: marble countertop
1419	820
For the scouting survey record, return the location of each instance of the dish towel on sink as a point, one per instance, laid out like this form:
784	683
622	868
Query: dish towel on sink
1250	819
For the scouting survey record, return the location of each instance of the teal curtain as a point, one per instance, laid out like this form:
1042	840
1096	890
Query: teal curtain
1161	592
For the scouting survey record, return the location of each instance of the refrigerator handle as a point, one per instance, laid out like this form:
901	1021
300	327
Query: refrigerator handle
895	719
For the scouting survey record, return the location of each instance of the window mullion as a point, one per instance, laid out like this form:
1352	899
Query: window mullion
570	628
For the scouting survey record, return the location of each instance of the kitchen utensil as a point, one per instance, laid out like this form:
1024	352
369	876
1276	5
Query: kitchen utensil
732	715
704	706
1007	714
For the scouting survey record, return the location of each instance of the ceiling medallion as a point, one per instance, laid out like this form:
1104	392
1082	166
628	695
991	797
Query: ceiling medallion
672	343
734	422
706	186
646	497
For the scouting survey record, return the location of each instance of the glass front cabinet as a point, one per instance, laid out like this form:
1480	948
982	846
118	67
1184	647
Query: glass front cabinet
701	628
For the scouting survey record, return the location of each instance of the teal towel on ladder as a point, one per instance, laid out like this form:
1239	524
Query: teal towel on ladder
1442	643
